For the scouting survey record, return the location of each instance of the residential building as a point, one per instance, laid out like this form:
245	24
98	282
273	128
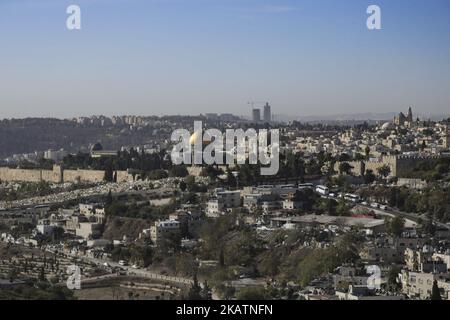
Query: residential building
163	229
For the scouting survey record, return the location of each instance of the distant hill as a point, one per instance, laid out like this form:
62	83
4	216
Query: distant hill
19	136
350	117
356	117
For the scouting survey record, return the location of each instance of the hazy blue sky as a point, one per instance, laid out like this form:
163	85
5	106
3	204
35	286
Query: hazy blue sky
306	57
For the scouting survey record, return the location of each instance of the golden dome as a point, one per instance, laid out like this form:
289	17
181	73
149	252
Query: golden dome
197	137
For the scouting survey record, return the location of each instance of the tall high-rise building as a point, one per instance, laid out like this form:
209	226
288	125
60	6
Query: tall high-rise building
409	117
256	113
267	113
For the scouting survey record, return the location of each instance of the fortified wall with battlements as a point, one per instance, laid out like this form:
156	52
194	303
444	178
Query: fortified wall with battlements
59	175
398	164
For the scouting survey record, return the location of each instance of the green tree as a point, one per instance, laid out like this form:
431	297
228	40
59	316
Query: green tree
369	177
423	145
435	292
190	183
206	292
183	186
327	206
396	226
384	171
428	226
109	173
42	274
393	197
392	282
109	199
195	290
345	168
178	171
252	293
270	264
185	264
342	208
367	152
12	275
226	292
221	258
323	261
211	171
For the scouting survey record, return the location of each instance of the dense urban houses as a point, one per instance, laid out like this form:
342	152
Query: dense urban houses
356	211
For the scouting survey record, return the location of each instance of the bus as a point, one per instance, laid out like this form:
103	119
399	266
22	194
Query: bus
266	186
287	186
323	190
42	206
305	186
352	197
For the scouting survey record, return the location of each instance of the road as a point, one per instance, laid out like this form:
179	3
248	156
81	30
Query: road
140	272
416	218
409	217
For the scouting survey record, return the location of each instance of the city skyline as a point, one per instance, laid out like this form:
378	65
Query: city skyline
208	152
172	57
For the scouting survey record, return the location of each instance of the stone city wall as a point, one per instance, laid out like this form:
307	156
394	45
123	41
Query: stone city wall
7	174
124	176
361	167
59	175
399	165
83	175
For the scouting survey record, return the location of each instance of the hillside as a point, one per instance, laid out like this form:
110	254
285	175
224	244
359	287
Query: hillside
117	227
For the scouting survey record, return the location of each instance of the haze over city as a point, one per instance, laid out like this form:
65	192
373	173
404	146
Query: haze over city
198	56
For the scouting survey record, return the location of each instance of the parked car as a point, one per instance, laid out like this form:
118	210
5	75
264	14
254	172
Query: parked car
123	263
